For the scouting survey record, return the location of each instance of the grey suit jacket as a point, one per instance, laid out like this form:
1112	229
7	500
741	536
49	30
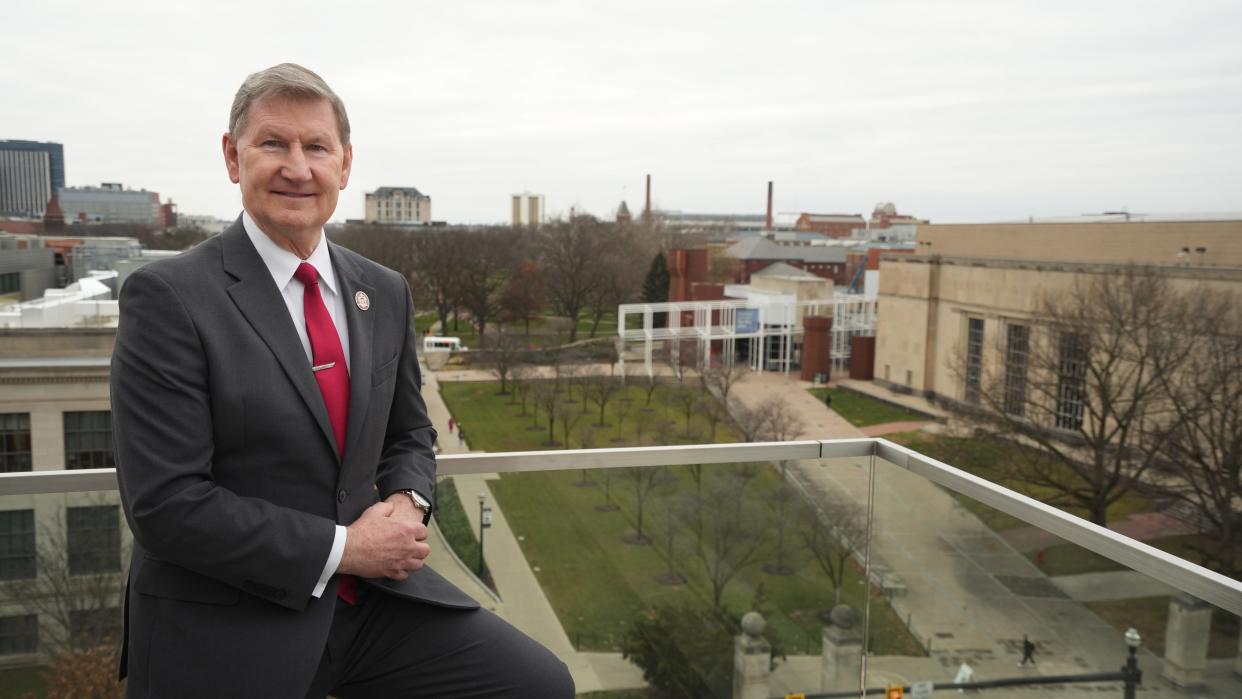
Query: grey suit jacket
228	468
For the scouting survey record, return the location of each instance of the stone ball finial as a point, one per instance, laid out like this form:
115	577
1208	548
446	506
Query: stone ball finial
753	624
843	616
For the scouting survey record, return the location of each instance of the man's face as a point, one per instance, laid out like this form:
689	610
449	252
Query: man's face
291	165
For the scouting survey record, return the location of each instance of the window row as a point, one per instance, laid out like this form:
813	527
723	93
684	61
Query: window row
1070	372
88	441
91	541
87	627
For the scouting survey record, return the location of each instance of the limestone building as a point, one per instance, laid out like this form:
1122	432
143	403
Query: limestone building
398	206
968	294
55	414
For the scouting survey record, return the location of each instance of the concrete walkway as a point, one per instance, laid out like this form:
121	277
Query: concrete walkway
523	602
962	590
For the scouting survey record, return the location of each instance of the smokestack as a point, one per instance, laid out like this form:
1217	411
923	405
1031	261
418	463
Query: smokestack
647	208
768	224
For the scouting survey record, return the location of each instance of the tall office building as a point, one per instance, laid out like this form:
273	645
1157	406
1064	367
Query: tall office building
30	172
527	209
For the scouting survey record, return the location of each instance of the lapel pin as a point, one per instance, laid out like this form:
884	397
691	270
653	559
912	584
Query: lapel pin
363	301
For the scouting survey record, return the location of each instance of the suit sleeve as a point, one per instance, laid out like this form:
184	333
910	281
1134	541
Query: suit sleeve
408	460
162	431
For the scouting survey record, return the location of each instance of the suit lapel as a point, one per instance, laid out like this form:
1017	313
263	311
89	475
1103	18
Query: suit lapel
361	343
257	297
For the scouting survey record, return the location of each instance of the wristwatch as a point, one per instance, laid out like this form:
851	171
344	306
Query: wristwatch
420	502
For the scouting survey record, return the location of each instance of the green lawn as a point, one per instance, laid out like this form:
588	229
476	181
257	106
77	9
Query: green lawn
595	580
864	411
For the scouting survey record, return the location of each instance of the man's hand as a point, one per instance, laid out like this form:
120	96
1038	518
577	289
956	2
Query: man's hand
383	544
404	508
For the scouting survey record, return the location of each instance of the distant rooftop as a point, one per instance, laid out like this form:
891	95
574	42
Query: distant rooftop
389	191
1127	217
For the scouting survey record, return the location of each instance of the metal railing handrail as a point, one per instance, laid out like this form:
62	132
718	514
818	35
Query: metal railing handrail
1212	587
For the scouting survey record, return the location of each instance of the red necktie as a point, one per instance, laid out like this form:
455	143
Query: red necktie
328	364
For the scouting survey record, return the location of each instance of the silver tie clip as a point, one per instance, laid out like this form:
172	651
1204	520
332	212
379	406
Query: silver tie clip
322	367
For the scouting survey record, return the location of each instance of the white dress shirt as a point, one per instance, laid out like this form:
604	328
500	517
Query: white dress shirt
282	264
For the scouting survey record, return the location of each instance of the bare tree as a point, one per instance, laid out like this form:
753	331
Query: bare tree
569	418
483	273
569	252
643	480
650	383
1085	386
600	390
545	398
670	522
832	533
523	296
713	413
782	505
503	358
730	534
435	261
1204	453
621	411
521	376
686	398
721	379
782	423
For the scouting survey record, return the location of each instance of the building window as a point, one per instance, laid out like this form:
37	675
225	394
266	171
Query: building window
974	359
88	440
17	545
94	627
19	634
1017	354
10	283
94	535
1071	381
14	442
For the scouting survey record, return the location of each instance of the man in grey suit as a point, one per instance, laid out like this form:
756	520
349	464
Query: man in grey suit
274	453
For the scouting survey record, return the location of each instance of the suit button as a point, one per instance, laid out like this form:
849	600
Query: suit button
340	497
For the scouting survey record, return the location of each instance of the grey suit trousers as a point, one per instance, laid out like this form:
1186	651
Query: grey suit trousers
390	647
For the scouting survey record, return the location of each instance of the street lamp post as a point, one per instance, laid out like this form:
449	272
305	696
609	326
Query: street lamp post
1131	674
482	497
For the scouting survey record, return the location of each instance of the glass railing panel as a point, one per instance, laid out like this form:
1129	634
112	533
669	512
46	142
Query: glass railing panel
629	568
63	562
989	598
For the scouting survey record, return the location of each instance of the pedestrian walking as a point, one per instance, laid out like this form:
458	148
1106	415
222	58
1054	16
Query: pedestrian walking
1028	651
452	423
461	436
828	400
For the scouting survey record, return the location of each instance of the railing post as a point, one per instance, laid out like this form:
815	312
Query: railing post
1186	641
841	662
752	660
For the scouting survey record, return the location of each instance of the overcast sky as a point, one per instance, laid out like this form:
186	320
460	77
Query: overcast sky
955	111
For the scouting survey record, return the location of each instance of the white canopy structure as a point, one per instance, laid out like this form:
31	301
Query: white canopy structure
770	325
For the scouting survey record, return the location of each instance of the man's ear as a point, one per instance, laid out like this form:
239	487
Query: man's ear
230	157
345	166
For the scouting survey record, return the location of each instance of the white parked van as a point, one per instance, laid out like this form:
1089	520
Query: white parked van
433	343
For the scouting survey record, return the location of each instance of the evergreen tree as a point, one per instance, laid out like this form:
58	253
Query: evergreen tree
655	286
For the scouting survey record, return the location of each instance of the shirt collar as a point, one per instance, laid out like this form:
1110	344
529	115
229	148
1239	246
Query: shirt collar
282	264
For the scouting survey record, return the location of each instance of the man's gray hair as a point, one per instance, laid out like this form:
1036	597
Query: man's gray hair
290	81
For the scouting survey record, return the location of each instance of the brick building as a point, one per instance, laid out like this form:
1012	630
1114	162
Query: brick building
831	225
758	252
